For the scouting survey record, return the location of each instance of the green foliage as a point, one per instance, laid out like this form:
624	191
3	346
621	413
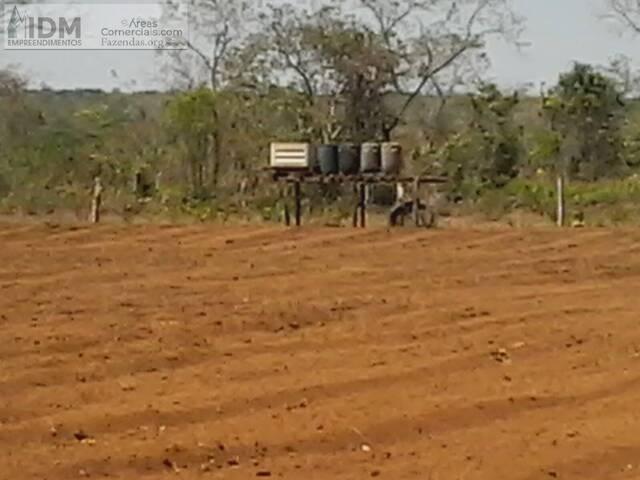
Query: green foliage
608	202
535	196
490	150
631	137
547	145
496	135
53	143
191	114
193	119
584	112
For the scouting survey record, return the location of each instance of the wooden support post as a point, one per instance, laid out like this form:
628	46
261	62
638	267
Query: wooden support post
96	201
282	205
298	201
561	216
356	210
286	215
363	204
416	202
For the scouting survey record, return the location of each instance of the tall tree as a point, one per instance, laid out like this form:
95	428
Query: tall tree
498	138
218	29
435	39
584	111
364	51
626	13
191	117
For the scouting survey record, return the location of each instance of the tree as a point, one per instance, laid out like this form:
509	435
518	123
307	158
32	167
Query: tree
11	83
340	68
620	70
499	139
6	74
584	112
192	121
17	116
626	13
12	123
488	151
435	40
364	52
218	30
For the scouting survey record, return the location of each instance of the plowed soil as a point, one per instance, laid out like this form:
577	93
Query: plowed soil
202	352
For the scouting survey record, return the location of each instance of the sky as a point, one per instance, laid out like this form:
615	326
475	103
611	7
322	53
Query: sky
558	33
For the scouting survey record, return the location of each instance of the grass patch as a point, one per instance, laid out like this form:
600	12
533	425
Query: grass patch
604	203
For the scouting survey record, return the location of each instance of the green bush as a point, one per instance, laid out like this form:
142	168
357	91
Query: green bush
610	202
605	193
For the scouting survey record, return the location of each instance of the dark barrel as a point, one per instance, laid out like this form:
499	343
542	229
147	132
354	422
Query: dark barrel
370	158
328	159
349	158
314	164
391	158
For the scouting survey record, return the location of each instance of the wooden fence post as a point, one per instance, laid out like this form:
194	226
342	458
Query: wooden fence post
96	201
561	216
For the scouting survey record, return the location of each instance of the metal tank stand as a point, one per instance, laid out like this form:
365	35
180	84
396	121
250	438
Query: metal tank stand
413	206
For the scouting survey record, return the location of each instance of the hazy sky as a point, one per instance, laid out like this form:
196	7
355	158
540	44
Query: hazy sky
558	32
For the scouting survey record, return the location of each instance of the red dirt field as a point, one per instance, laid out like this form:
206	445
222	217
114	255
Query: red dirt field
238	353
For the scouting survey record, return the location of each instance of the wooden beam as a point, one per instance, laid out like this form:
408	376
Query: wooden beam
309	177
298	200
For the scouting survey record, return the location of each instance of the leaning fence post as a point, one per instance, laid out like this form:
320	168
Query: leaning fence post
96	201
561	201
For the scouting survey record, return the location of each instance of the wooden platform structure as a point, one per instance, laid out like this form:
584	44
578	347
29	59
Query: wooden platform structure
360	181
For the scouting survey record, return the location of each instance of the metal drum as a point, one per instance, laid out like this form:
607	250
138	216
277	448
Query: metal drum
327	156
349	158
391	158
370	159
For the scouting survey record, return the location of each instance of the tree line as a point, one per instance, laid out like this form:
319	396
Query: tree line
327	71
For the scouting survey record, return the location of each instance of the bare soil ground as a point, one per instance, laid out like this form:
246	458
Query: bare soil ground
195	352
